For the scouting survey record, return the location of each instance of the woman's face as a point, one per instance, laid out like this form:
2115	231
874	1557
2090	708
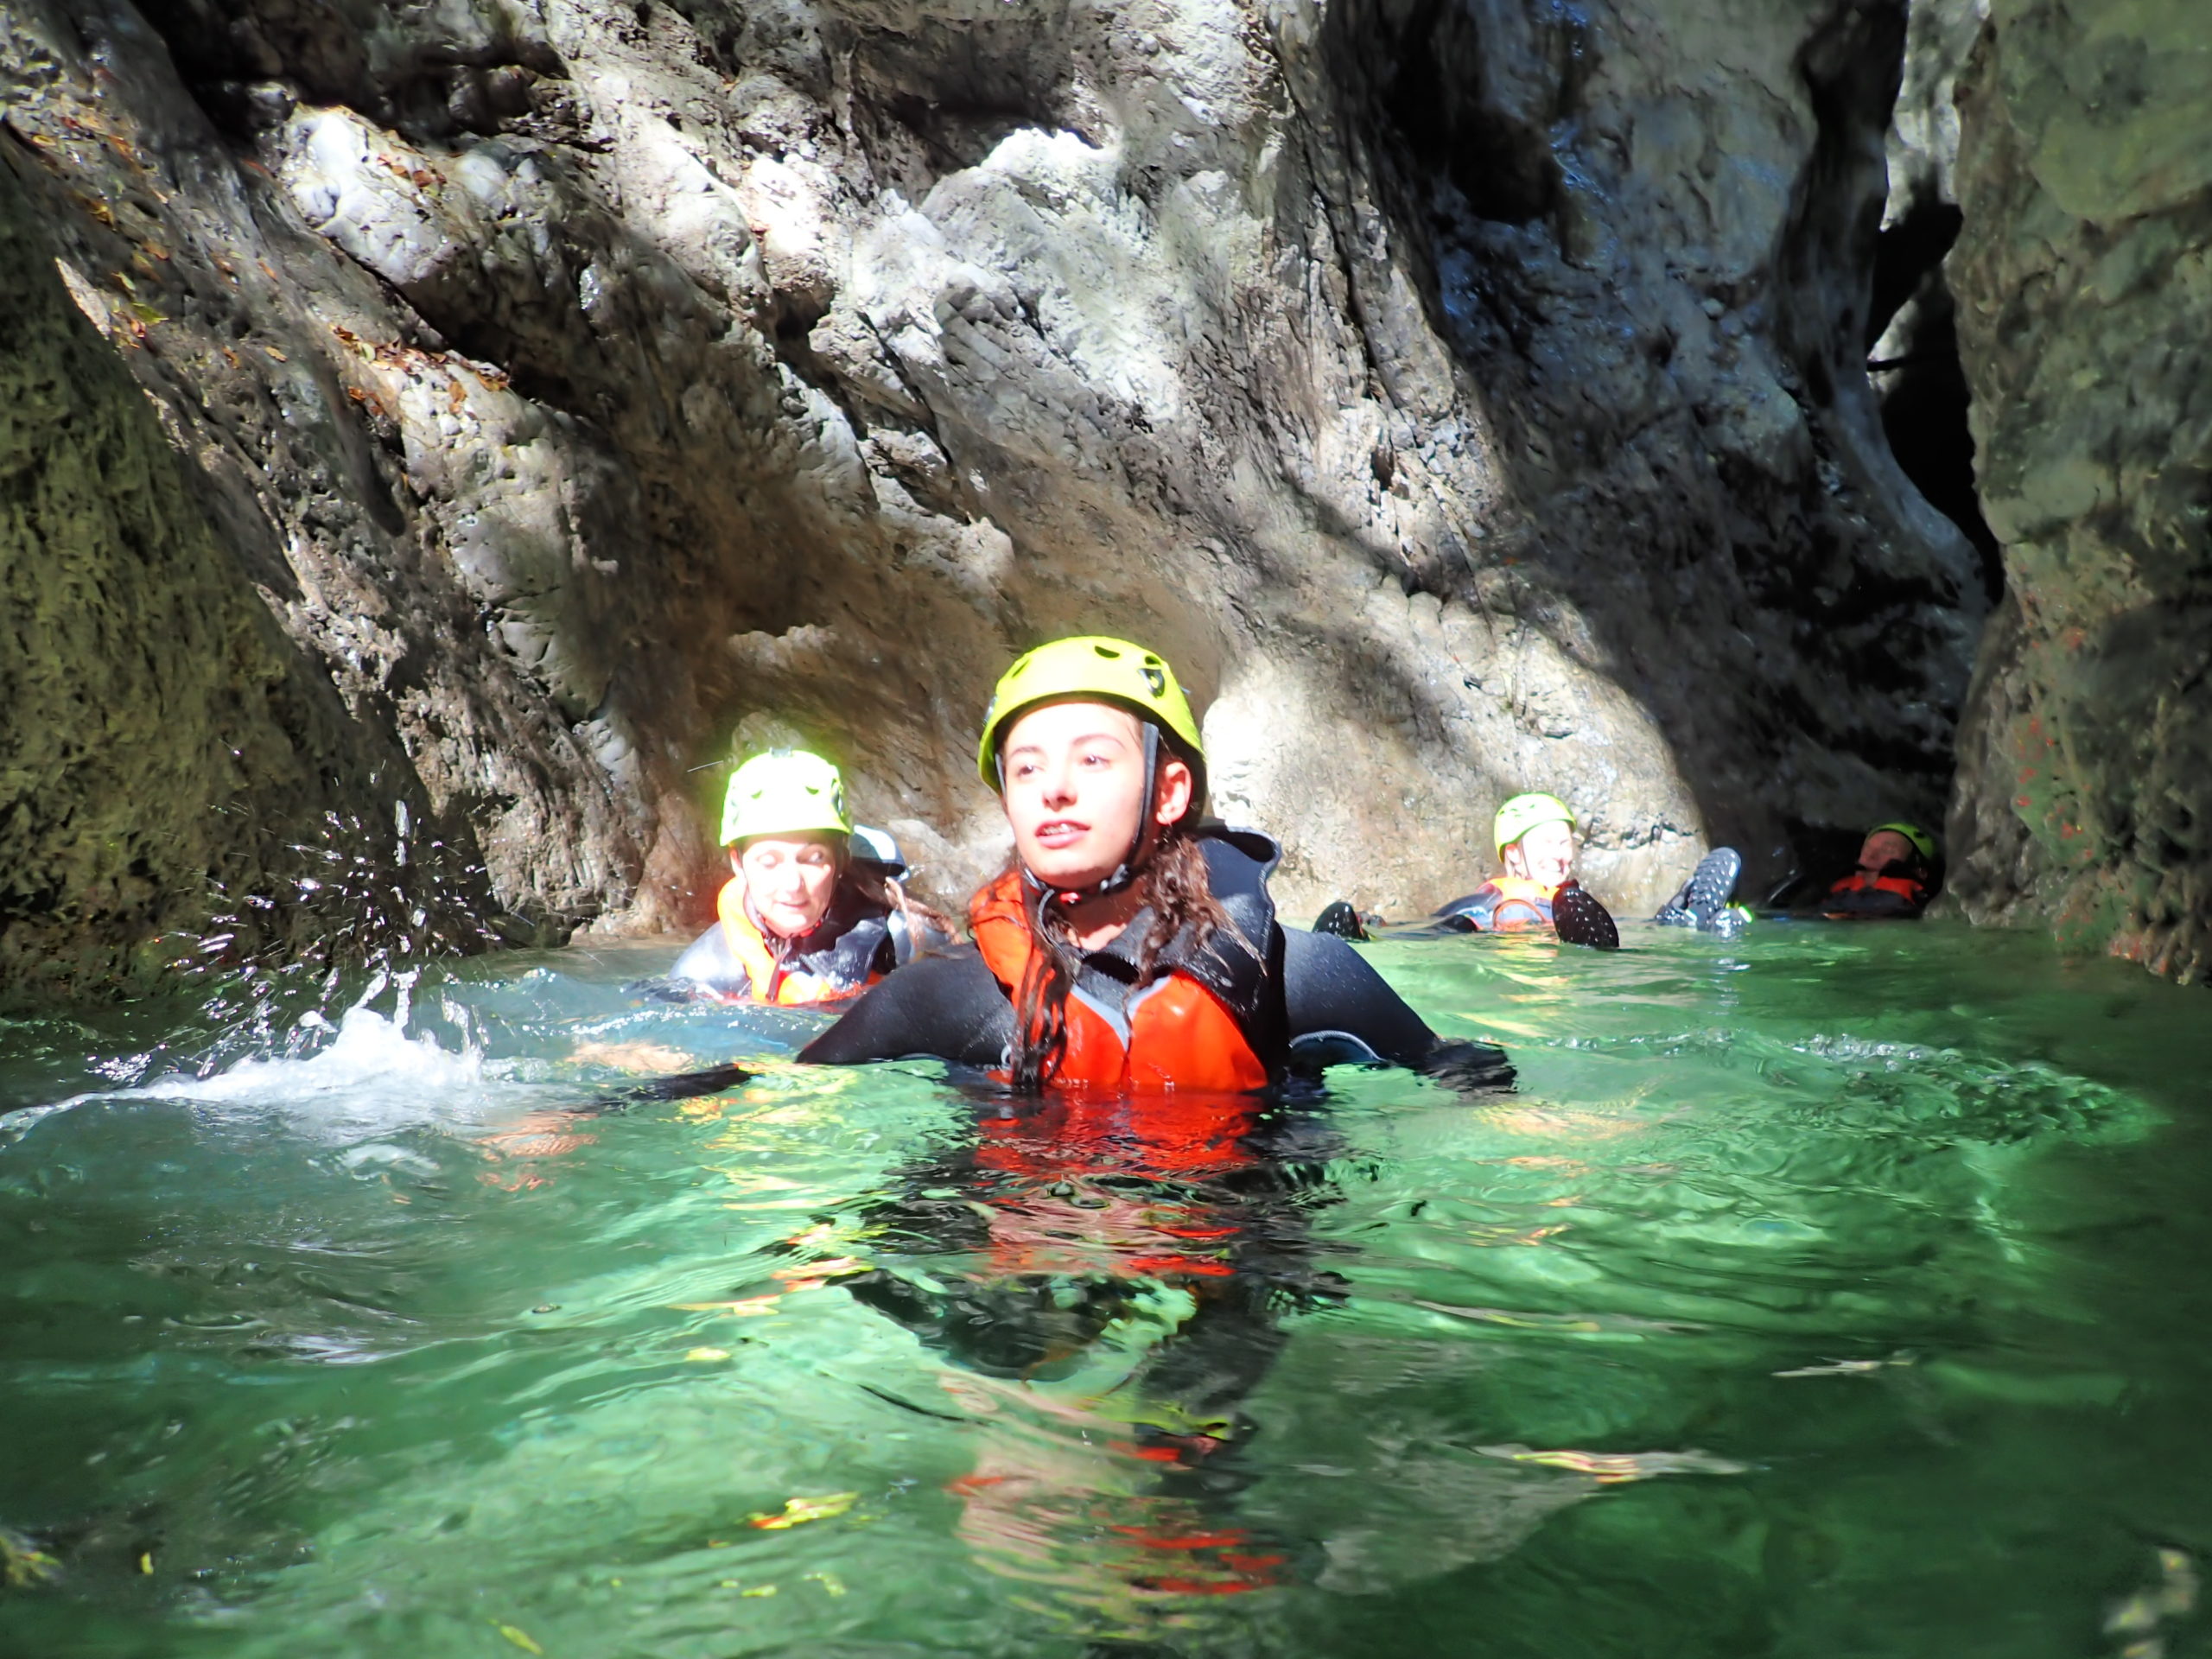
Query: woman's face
1072	777
1544	855
789	880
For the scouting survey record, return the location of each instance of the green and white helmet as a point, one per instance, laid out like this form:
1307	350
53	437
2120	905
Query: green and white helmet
1524	812
783	793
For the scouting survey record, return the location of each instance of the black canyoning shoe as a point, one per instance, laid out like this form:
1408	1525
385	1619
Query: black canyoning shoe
1703	901
1579	919
1341	920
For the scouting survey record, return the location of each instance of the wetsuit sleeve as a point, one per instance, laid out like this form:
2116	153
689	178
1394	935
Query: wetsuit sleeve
910	938
1339	1009
708	962
1330	990
947	1007
1473	913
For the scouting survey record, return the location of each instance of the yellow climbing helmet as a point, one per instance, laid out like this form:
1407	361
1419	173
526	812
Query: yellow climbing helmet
1922	843
1524	813
783	793
1090	665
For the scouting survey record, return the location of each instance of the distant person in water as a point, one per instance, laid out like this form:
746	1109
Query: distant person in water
1894	880
1130	945
1534	838
813	910
1535	894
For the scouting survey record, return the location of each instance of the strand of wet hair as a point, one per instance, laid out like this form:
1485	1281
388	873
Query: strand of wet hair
1174	888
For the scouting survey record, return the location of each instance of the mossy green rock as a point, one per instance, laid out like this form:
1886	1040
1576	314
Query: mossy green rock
2084	280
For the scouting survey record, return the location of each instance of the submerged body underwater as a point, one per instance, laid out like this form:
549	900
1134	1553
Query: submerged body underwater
1822	1290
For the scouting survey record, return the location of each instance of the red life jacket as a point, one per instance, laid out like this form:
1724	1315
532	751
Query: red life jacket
1858	891
775	979
1080	1184
1180	1035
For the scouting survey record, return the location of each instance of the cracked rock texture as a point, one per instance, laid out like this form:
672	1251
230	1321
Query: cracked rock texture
2084	276
1469	398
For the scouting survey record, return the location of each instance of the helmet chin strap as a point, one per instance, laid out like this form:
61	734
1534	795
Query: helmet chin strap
1126	871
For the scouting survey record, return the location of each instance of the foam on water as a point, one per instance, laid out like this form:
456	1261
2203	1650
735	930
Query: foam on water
367	1072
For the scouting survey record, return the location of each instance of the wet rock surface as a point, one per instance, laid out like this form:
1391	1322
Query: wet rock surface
2084	279
166	751
1468	399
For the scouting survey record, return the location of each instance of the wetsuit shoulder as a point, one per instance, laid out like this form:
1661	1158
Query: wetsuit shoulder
948	1007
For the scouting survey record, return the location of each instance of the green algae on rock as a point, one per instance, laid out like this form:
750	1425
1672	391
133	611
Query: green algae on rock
2084	277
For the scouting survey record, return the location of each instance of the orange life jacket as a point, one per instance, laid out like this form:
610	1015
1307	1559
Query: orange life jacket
1517	904
1180	1034
773	979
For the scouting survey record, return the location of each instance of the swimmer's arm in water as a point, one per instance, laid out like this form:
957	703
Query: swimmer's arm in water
707	968
1472	913
946	1007
1339	1009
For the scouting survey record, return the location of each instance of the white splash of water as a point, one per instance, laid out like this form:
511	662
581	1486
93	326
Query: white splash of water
366	1075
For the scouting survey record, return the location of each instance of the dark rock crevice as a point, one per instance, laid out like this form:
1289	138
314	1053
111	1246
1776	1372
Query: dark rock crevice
1790	561
167	748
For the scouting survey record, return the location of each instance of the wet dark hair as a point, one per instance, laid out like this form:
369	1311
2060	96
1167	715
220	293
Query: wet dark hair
1172	885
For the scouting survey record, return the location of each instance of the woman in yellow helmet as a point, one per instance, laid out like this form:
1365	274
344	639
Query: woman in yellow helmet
1535	837
1894	880
1130	945
813	910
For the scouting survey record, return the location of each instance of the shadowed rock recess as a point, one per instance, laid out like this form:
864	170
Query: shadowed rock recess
1468	398
2084	281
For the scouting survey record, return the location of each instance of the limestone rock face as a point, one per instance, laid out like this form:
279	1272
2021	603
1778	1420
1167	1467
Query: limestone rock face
1466	397
2084	279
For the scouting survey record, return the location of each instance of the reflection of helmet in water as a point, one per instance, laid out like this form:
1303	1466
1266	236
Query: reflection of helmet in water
1524	812
1922	843
783	793
1112	671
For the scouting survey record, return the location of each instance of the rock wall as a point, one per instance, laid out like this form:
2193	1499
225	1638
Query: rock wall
1467	396
2084	280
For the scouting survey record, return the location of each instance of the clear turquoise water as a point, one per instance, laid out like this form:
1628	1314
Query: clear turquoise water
1834	1291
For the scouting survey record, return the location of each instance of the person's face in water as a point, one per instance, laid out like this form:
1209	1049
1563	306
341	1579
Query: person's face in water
1544	855
788	880
1073	785
1887	847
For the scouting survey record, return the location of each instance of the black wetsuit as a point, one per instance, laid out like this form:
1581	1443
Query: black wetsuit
1314	1000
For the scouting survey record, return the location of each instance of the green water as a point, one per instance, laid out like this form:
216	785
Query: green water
1834	1291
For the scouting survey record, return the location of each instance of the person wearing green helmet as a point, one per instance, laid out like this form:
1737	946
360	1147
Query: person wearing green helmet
1895	877
813	910
1533	834
1535	837
1130	945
